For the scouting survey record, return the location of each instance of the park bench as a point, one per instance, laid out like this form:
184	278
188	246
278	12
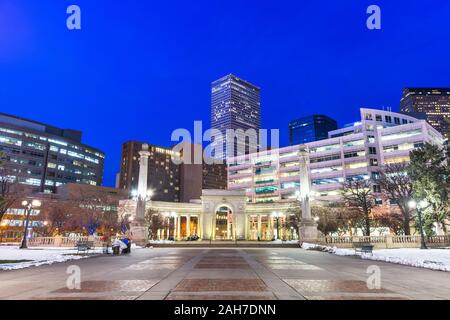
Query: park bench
363	247
84	246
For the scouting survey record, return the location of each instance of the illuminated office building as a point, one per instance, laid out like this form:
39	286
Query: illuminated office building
235	104
45	156
352	153
433	103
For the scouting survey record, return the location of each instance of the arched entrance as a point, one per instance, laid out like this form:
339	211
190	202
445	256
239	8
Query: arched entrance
224	223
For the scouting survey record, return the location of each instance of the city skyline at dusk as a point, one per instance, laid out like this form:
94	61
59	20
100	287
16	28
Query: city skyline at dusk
112	79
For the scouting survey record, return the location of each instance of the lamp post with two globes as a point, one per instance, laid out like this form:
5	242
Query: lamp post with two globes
29	206
277	216
419	206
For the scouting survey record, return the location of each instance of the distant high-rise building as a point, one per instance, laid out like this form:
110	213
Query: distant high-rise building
235	104
433	102
163	174
46	157
311	128
168	180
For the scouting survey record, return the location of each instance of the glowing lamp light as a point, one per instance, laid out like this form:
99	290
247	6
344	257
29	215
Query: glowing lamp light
412	204
36	203
276	214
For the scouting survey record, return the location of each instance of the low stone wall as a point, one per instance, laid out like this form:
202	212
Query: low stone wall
64	242
385	242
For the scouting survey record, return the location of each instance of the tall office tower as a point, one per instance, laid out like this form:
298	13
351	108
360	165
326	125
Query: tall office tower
163	173
433	102
312	128
235	104
45	156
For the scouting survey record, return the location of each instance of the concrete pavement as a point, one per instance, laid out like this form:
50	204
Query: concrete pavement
253	273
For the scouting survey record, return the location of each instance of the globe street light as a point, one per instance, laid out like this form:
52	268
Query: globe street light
419	206
29	205
277	215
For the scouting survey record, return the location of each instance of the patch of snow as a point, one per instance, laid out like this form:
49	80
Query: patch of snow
38	256
435	259
279	241
162	241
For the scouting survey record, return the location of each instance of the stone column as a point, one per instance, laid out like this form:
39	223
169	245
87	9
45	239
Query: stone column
168	228
259	235
188	225
200	226
138	229
308	228
178	227
270	219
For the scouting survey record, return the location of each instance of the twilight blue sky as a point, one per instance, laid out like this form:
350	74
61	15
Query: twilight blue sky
138	69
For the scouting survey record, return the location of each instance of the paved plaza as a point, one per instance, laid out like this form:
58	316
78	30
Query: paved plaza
235	274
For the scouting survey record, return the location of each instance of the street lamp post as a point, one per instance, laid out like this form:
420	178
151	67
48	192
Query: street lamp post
277	217
29	208
418	206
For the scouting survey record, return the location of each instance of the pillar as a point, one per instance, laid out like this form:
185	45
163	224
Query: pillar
138	229
200	226
308	228
272	233
178	227
188	225
168	229
259	235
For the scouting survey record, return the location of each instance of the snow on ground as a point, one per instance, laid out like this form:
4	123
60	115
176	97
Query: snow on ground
162	241
279	241
38	256
435	259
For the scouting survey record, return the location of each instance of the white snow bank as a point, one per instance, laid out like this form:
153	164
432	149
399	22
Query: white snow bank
38	256
435	259
279	241
162	241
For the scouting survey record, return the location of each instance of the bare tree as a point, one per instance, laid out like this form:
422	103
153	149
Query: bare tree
390	217
335	217
98	209
358	194
155	221
10	191
396	185
63	216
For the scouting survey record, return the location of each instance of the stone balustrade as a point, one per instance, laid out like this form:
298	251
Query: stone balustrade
385	242
62	241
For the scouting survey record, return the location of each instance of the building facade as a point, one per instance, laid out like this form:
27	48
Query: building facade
163	174
220	215
433	102
311	128
45	156
355	152
214	176
235	104
170	181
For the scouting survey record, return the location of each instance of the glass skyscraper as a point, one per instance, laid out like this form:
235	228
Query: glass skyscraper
311	128
235	104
